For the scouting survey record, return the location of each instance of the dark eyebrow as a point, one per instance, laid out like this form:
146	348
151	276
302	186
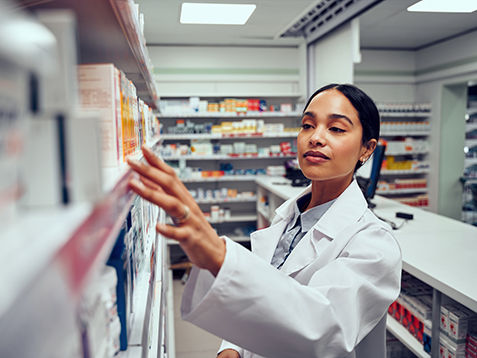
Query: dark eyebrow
340	116
331	116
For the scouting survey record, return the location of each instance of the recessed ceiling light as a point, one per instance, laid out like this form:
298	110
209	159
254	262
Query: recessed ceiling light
216	14
461	6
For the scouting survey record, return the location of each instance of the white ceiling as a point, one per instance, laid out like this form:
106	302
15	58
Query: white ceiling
387	25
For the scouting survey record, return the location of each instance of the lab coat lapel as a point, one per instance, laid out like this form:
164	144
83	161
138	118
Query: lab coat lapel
264	241
302	255
346	210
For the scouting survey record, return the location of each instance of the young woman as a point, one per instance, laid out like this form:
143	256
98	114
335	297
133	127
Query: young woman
322	276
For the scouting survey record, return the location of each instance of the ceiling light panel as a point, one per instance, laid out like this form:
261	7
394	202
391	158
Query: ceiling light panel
216	14
457	6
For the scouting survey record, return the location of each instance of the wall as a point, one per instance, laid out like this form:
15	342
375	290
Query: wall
434	74
332	57
442	72
229	71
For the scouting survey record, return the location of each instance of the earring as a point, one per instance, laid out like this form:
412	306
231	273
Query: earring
363	161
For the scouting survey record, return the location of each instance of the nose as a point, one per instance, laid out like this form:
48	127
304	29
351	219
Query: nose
318	137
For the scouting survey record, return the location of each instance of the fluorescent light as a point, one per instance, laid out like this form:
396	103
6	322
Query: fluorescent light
216	14
466	6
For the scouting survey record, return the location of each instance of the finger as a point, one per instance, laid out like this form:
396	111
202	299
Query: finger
170	204
155	161
173	232
169	183
149	183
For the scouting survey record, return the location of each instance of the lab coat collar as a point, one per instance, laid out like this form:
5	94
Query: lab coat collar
347	209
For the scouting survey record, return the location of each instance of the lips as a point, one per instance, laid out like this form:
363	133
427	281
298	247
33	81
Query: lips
315	154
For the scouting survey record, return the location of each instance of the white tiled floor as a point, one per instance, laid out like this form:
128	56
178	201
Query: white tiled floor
191	341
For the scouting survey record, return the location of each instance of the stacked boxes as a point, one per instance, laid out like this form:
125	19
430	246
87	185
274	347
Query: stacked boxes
126	121
456	324
413	306
130	257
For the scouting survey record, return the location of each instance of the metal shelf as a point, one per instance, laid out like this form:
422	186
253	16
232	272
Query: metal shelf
109	32
227	136
227	200
405	114
236	115
405	133
401	333
228	157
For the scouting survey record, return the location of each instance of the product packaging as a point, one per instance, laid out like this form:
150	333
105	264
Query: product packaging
100	90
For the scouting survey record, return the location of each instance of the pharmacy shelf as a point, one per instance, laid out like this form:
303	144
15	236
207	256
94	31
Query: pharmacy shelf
470	127
401	333
30	243
133	352
245	199
109	32
192	136
404	172
228	157
263	212
266	96
224	178
189	115
405	114
407	152
111	176
401	191
470	142
234	218
236	238
405	133
469	161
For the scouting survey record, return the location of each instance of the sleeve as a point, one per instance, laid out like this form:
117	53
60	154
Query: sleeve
259	308
227	345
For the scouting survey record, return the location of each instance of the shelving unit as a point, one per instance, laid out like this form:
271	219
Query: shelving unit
398	123
469	176
55	252
109	32
242	211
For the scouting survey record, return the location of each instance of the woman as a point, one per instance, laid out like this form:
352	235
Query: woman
321	277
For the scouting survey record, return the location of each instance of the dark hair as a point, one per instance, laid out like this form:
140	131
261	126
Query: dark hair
368	113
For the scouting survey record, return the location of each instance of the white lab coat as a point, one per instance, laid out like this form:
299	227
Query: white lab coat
329	300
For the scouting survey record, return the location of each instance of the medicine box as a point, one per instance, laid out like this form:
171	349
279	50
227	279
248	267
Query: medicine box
471	345
427	336
458	324
444	321
100	93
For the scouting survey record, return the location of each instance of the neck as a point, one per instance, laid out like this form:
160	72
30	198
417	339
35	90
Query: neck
325	191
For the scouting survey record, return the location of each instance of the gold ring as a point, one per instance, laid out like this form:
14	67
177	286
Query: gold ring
183	218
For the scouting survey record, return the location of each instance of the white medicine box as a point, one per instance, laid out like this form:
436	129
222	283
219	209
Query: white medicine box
100	93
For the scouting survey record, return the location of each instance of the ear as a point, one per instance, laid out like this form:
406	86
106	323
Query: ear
368	149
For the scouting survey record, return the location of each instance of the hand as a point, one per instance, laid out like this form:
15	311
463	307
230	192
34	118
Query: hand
229	353
160	185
